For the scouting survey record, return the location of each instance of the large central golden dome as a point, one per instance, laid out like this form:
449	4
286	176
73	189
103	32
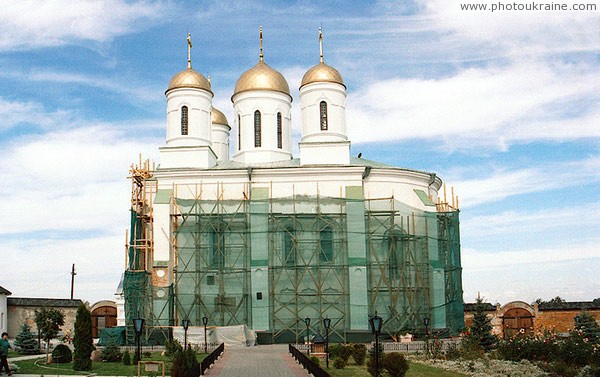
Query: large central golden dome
189	78
261	77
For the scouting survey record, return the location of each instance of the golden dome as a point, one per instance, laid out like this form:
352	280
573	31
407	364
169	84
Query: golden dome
189	78
322	73
218	117
261	77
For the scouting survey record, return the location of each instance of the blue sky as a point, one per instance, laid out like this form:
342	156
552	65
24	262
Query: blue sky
504	106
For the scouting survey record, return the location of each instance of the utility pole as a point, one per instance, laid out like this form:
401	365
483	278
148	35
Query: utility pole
73	273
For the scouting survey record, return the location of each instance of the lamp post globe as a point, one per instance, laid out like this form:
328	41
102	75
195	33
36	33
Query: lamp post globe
205	322
307	322
186	324
376	323
138	327
327	324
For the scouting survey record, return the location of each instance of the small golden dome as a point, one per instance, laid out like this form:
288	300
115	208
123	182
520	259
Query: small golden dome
261	77
322	73
218	117
189	78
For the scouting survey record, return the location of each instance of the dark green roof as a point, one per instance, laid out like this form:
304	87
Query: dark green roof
4	291
44	302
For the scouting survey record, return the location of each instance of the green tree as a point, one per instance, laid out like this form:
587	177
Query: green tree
480	332
83	342
588	327
26	342
49	321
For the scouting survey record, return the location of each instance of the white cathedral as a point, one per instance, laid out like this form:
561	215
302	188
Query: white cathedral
265	239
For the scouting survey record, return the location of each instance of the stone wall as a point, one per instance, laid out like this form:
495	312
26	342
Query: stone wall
560	320
22	310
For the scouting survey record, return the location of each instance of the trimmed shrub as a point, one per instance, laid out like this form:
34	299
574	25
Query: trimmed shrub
395	364
172	347
315	360
62	354
126	357
112	353
185	364
339	363
371	364
359	353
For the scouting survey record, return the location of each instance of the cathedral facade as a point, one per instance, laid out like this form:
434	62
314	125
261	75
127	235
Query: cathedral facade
231	227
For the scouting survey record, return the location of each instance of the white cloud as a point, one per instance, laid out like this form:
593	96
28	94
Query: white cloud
517	32
515	222
529	274
33	24
505	183
41	267
481	106
13	113
68	180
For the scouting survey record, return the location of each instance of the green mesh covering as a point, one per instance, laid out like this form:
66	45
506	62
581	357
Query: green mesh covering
270	263
112	335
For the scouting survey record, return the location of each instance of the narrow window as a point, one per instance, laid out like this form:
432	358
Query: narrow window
394	248
184	120
289	249
218	249
239	132
279	132
323	109
257	132
326	240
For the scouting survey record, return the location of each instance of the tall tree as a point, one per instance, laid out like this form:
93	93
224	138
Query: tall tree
49	321
26	342
83	342
481	330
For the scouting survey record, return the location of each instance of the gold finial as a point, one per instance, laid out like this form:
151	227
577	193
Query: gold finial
261	47
189	43
320	45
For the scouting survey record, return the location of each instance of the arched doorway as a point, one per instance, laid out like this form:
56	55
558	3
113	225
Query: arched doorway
517	321
104	315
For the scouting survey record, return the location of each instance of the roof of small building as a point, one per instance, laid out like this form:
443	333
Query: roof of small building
470	307
4	291
570	305
41	302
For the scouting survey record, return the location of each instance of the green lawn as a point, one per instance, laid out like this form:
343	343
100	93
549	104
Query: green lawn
416	370
100	368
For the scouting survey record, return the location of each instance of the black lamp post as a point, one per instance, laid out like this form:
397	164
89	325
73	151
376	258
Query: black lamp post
426	322
186	324
307	321
326	324
577	320
138	327
376	322
205	322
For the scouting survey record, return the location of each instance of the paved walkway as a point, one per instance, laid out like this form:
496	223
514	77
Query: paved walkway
259	361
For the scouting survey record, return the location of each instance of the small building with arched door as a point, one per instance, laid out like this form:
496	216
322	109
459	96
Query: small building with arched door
518	317
104	315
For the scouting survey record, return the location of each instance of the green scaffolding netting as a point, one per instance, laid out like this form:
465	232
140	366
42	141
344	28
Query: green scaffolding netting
271	263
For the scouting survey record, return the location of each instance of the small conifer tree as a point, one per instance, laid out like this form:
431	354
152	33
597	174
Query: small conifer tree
26	341
83	342
480	332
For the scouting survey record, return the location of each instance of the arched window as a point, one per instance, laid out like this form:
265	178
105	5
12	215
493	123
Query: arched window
326	241
323	115
279	132
184	120
257	132
239	132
